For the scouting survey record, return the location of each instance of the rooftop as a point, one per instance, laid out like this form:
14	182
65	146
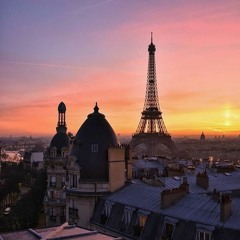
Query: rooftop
64	231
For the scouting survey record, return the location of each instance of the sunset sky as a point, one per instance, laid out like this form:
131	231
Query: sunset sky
86	51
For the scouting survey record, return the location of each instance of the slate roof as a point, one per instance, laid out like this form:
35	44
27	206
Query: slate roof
60	140
147	164
190	212
218	181
94	132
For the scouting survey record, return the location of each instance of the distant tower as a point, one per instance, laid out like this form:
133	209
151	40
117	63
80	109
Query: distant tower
55	160
151	129
61	127
202	137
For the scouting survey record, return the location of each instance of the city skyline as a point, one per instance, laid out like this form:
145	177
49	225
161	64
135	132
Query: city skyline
82	52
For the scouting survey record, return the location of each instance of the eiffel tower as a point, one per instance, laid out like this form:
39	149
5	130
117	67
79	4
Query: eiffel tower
151	130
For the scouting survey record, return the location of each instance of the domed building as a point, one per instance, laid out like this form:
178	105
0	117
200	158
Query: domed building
90	147
55	161
202	137
98	165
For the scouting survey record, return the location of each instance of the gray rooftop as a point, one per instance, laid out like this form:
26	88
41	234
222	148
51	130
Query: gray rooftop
194	207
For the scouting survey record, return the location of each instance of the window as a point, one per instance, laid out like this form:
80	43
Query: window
64	153
51	194
73	180
52	181
203	236
168	231
63	181
52	211
147	173
106	212
204	232
73	203
169	227
135	174
52	214
141	220
73	211
53	153
94	147
127	215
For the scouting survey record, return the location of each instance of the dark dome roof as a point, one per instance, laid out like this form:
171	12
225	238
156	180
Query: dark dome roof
90	147
60	140
62	107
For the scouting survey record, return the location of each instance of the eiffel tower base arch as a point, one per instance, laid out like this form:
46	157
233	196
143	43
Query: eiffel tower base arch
151	141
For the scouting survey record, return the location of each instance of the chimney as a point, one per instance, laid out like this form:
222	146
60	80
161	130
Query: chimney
172	196
128	161
116	166
225	206
202	180
175	172
216	195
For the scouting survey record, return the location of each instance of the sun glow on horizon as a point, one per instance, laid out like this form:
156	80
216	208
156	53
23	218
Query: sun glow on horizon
82	52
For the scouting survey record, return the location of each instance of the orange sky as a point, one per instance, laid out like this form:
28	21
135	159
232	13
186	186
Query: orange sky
80	52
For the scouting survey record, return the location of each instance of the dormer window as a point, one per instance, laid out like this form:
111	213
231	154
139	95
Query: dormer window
106	212
204	236
94	148
127	215
53	152
169	227
73	180
64	153
140	223
204	232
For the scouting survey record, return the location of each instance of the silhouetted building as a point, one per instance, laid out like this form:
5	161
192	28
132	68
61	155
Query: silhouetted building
55	161
98	165
202	137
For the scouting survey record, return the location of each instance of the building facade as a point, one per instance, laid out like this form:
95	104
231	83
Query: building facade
55	162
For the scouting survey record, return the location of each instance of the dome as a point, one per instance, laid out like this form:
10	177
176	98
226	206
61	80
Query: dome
59	141
90	146
202	137
62	107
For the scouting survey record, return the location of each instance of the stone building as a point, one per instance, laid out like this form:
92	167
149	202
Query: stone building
55	160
